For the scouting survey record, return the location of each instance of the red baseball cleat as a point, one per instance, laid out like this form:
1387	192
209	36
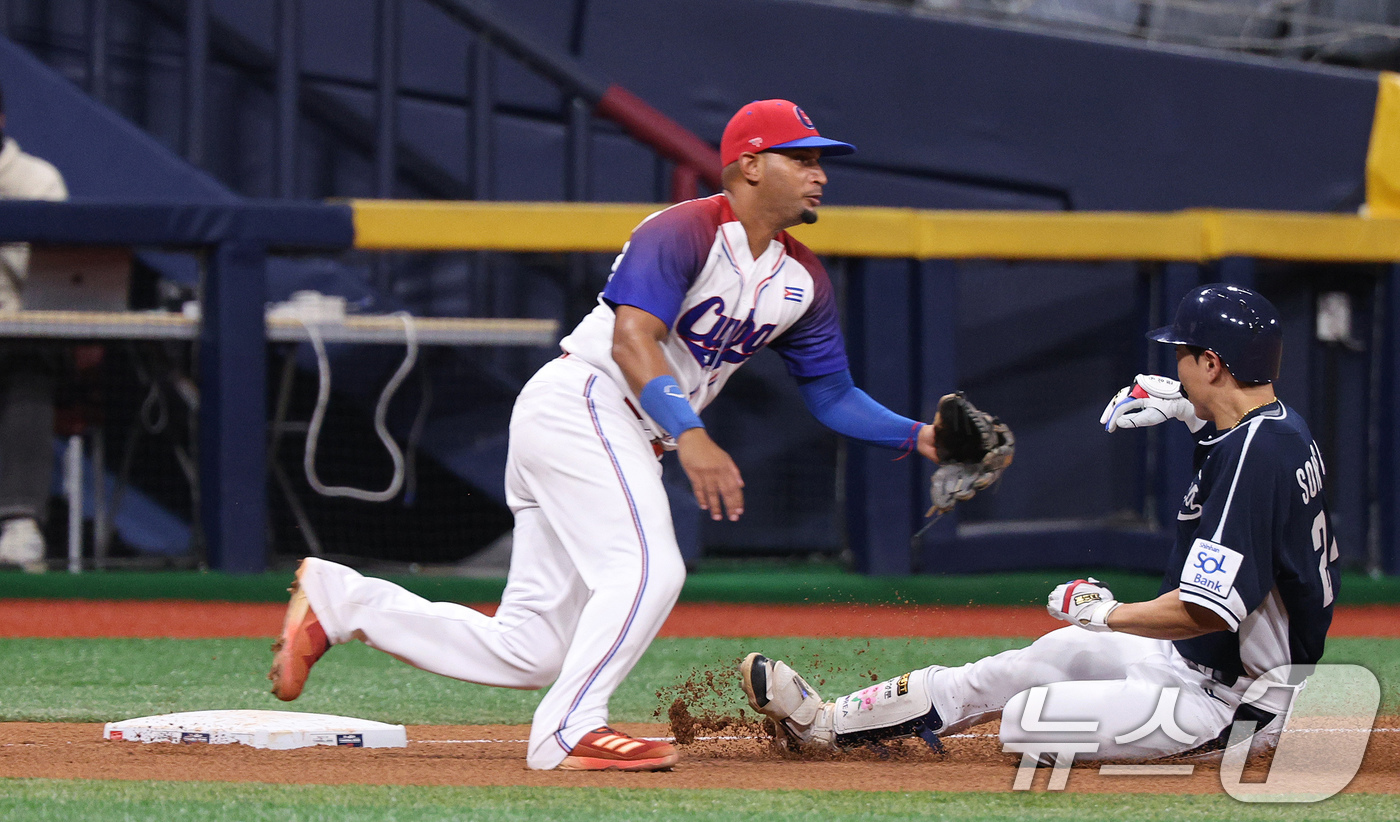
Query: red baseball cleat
303	641
608	750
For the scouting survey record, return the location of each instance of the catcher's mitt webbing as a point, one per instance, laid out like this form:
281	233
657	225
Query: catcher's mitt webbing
958	432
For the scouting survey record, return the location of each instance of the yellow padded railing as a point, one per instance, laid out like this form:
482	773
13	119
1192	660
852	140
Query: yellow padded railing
1383	152
898	232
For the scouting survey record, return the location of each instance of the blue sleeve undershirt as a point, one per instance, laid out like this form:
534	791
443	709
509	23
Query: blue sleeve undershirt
836	403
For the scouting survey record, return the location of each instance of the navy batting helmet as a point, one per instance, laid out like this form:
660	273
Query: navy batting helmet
1240	326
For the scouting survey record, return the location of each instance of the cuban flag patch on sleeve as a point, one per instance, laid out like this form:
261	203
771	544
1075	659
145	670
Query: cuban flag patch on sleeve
792	293
1211	568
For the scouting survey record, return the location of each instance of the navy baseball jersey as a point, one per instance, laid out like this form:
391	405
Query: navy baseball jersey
1255	545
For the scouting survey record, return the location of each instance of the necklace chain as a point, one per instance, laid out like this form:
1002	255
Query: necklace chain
1255	408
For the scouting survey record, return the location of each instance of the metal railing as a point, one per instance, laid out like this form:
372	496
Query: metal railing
584	97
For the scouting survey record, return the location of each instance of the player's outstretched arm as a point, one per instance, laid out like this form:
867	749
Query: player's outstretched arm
1089	604
836	403
1166	617
714	477
972	448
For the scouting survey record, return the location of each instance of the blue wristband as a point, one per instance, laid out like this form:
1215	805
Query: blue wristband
664	400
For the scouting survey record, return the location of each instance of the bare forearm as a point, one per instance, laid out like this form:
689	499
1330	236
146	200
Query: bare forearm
637	347
640	361
714	477
1165	617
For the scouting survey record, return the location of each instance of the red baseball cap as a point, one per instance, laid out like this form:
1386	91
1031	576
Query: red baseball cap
765	124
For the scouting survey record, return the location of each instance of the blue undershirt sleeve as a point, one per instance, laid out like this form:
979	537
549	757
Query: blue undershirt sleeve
836	403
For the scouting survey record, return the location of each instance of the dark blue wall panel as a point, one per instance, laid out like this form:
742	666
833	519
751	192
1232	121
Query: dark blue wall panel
1045	346
852	184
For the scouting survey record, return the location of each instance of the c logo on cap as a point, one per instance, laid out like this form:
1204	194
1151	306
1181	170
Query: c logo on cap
803	118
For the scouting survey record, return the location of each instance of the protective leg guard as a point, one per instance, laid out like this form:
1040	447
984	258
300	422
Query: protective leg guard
779	693
1268	727
892	709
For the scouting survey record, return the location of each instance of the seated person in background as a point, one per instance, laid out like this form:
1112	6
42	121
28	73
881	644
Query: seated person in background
26	377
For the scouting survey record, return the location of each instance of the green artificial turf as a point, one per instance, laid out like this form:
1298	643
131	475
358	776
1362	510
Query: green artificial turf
774	583
99	801
103	680
92	680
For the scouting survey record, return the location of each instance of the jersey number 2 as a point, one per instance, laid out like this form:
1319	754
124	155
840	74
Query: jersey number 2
1328	554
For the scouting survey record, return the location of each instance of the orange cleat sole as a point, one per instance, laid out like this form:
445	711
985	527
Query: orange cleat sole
608	750
303	641
588	763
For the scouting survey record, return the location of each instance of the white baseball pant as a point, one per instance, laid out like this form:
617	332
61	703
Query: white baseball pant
595	568
1117	681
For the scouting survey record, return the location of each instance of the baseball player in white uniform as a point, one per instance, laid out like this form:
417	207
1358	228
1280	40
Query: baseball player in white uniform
699	288
1245	603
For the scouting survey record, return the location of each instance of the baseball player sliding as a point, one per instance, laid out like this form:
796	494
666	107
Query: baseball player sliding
1248	589
696	292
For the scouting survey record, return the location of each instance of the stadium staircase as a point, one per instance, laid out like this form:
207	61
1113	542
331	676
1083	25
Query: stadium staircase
117	57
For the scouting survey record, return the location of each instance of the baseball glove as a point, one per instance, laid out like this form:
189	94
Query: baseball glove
973	449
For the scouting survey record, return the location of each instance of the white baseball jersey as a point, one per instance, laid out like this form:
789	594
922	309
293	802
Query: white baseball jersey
690	266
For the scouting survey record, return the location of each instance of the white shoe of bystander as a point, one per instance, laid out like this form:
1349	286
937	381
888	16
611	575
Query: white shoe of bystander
22	544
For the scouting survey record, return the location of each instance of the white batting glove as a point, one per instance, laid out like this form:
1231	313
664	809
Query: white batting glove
1150	400
1083	602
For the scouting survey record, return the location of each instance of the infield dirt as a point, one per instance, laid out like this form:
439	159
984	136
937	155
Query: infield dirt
474	755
